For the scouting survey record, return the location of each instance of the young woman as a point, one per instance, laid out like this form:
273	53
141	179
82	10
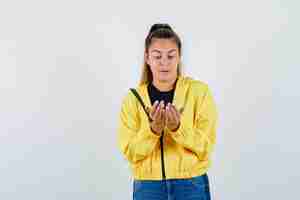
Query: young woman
168	141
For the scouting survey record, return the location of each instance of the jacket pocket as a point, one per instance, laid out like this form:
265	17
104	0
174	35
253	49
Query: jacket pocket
190	159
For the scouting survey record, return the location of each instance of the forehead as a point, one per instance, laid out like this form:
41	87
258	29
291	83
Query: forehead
163	45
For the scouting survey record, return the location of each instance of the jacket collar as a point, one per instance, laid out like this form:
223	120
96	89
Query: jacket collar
178	99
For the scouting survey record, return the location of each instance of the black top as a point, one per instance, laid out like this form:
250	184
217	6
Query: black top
155	94
167	97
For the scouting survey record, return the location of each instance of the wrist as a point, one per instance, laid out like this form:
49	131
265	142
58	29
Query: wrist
154	131
175	129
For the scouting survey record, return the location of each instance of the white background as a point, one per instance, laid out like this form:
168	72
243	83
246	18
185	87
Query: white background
65	66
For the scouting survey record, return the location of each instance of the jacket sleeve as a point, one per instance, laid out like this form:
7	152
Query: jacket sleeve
136	142
200	136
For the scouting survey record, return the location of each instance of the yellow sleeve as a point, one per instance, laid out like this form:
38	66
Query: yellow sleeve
200	136
135	141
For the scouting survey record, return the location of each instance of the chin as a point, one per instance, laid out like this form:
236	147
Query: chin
165	79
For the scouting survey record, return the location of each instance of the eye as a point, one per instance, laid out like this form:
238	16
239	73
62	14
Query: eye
171	57
157	57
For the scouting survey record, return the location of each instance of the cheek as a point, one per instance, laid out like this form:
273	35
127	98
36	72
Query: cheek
175	64
153	68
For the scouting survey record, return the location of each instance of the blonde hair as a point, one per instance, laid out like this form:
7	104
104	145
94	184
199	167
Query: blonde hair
162	31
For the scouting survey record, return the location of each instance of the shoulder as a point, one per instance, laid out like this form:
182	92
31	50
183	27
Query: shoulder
196	86
202	93
128	99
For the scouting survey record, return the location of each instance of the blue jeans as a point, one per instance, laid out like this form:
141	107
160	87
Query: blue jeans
196	188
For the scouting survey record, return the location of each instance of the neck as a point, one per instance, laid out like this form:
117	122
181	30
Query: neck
164	86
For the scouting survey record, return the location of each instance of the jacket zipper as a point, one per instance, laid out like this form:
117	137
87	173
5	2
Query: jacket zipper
162	156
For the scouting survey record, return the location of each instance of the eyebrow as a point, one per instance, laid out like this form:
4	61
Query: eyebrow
155	50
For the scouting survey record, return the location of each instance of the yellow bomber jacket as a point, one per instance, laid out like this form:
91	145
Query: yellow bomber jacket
186	152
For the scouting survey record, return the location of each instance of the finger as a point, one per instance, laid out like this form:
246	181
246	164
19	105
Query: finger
173	111
168	114
153	108
165	115
156	112
162	104
163	119
171	118
177	114
161	111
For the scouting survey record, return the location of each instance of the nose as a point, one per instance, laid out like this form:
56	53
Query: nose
164	60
